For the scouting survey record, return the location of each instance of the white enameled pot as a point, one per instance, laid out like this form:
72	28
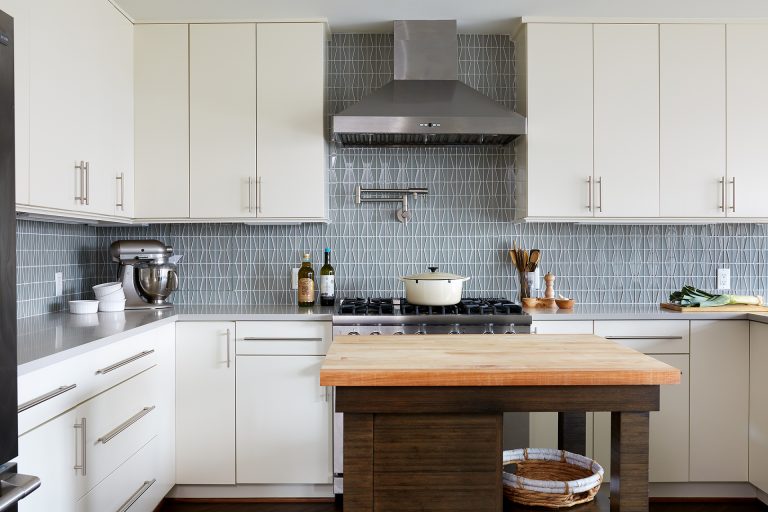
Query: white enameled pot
433	288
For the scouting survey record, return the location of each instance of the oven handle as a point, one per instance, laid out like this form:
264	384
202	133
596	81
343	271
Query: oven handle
15	488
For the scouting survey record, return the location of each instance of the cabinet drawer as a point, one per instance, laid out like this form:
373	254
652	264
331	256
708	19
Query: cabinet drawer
134	486
118	423
283	338
562	327
648	336
47	392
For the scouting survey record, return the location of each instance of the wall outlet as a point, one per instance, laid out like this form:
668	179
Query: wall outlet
723	279
59	279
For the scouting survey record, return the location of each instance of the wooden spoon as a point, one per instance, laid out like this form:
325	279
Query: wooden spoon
513	257
533	262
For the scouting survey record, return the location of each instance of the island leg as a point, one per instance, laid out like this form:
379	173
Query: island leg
358	462
572	432
629	461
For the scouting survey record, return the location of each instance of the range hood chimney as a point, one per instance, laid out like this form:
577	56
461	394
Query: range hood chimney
426	104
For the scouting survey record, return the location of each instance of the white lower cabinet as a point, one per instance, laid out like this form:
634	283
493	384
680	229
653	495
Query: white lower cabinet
719	401
205	403
758	406
284	416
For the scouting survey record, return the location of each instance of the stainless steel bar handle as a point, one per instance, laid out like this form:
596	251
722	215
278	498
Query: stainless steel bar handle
229	340
124	425
83	452
589	193
250	194
286	339
600	195
722	194
121	179
80	167
733	194
124	362
136	495
87	183
259	186
43	398
15	488
643	337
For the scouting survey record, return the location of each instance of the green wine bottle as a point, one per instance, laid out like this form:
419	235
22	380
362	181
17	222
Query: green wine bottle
306	282
327	281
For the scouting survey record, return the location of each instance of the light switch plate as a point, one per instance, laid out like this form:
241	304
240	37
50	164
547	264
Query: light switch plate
723	279
59	279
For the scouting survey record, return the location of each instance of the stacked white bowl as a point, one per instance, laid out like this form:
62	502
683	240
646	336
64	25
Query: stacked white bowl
110	296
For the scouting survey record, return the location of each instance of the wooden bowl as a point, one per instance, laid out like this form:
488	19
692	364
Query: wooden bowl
546	302
565	303
530	302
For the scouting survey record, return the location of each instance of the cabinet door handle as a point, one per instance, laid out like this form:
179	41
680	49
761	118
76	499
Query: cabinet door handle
121	179
589	193
250	194
136	495
733	194
600	194
79	168
229	340
44	398
124	362
643	337
259	186
83	439
124	425
87	183
722	194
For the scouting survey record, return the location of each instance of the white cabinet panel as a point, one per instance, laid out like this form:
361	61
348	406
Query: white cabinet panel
692	123
559	111
205	403
626	120
648	336
747	119
290	120
162	120
719	401
758	405
284	421
222	112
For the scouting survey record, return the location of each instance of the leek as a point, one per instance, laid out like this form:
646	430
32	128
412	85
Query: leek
690	296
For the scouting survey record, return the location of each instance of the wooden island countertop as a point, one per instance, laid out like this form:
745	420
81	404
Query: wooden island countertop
485	360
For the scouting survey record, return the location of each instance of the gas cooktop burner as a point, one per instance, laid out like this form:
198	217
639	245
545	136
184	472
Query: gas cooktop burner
391	307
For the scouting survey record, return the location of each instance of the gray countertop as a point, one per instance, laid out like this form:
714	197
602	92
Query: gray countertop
47	339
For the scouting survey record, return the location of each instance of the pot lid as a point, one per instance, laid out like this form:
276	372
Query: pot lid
434	275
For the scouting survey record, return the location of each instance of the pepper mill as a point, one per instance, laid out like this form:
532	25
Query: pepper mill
549	279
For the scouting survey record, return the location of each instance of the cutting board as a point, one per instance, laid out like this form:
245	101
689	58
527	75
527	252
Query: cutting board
731	308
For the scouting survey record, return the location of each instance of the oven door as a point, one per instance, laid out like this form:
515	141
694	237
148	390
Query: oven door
13	486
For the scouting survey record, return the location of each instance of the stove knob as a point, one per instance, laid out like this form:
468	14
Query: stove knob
398	333
353	333
422	329
511	330
375	333
455	329
488	329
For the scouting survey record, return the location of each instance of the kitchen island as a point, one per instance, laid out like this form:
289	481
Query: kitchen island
423	414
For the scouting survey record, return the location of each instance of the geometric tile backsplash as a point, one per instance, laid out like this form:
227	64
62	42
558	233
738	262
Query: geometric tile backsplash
464	225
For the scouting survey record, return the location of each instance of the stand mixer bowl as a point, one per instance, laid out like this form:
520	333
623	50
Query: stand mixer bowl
157	281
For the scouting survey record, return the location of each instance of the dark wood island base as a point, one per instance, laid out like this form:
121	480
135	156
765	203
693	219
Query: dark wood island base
440	448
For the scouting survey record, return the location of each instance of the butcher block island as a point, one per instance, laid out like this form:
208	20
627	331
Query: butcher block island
423	414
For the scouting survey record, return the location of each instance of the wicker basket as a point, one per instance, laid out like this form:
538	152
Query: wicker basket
551	478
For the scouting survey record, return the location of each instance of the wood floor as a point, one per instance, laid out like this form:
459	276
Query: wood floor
330	507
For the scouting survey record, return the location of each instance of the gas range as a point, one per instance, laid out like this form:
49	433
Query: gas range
373	316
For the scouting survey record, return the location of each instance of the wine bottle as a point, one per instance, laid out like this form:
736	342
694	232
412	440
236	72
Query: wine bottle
327	281
306	282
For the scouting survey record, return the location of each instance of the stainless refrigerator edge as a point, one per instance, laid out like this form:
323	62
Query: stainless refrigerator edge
13	486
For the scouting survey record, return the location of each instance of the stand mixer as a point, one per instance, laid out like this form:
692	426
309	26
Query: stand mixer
147	275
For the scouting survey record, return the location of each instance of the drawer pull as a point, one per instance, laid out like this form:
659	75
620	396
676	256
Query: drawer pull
127	423
281	339
643	337
83	454
124	362
43	398
135	496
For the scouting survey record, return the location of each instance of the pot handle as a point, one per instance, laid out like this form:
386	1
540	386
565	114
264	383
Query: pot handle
433	269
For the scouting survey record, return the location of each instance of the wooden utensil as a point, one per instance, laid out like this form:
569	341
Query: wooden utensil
533	262
513	257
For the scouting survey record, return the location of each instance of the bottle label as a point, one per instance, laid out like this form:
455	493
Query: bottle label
306	290
327	286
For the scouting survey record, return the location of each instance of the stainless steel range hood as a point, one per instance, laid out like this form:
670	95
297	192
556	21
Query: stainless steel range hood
426	105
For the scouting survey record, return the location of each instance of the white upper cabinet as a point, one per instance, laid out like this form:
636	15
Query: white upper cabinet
747	72
290	121
692	124
222	112
558	104
626	120
80	107
161	79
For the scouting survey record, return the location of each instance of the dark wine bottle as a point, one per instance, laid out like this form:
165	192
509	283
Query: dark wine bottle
327	281
306	293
